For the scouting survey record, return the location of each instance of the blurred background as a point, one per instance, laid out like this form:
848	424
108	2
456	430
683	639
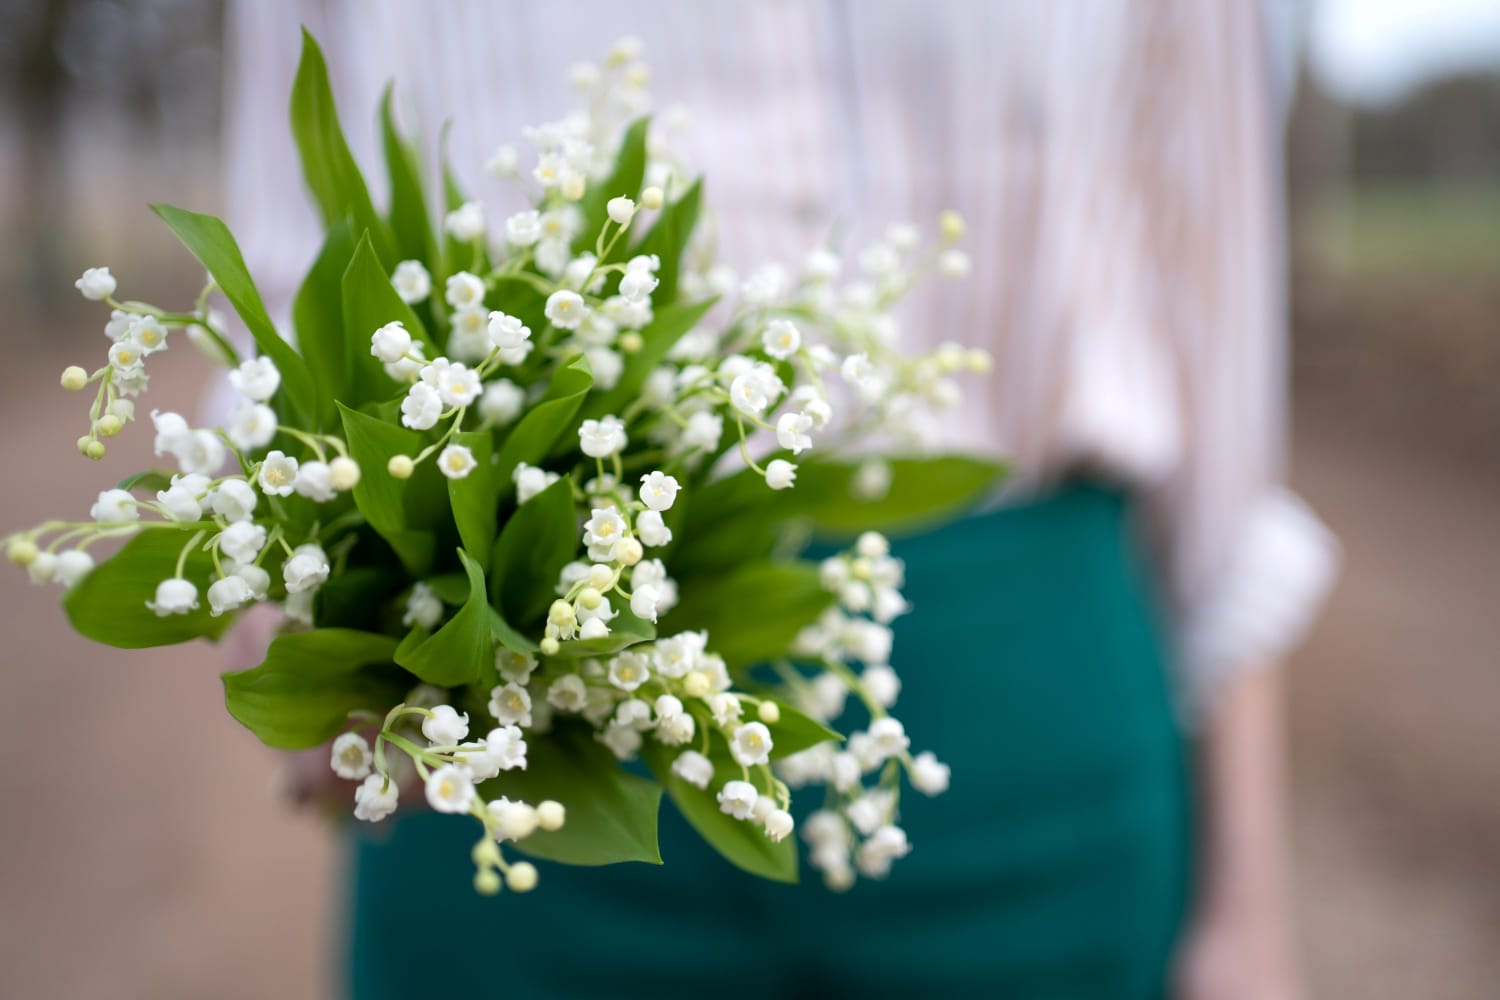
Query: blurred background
155	862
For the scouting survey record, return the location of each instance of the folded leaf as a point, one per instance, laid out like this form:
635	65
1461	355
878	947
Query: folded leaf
458	652
109	605
611	813
303	692
369	301
796	731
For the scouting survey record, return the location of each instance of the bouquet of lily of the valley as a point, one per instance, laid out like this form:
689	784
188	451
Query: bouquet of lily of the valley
531	499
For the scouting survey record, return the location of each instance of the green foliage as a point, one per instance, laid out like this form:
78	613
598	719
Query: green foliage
669	237
742	843
795	731
538	540
210	241
109	605
624	180
476	496
666	328
334	178
319	319
411	226
752	613
611	813
546	422
458	652
309	683
369	302
381	498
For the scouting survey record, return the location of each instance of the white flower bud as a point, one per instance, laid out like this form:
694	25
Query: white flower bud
390	343
621	210
694	768
174	597
74	378
400	467
653	198
375	799
778	824
737	799
97	283
780	474
521	877
466	222
928	775
343	473
551	815
445	727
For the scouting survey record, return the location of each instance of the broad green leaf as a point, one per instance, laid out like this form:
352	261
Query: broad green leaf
669	237
318	316
666	328
309	683
476	497
538	540
380	497
752	614
458	256
795	731
210	241
611	812
624	179
625	630
332	175
743	843
520	299
458	652
151	480
922	493
547	422
370	302
507	636
410	225
109	605
356	598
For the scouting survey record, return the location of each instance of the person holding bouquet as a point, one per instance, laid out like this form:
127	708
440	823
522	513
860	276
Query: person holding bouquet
1095	658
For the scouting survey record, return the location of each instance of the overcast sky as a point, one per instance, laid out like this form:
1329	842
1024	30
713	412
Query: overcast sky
1375	51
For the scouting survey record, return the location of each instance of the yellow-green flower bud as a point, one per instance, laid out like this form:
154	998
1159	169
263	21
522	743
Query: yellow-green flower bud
74	378
400	466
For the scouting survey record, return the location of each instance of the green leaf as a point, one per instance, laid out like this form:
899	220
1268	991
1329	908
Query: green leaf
923	492
332	175
211	243
109	605
625	630
625	179
380	497
796	731
458	256
153	479
309	683
666	328
507	636
669	237
786	597
611	813
410	224
370	301
355	598
476	497
546	423
742	843
538	540
458	652
318	316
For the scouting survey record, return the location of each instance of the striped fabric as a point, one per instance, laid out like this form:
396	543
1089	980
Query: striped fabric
1116	161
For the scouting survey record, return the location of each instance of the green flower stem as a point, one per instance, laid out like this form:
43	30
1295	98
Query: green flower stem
744	445
853	683
182	556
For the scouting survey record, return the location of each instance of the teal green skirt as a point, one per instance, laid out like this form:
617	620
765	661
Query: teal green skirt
1056	866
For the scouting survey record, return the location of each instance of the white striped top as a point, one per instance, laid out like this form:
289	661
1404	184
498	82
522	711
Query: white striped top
1116	160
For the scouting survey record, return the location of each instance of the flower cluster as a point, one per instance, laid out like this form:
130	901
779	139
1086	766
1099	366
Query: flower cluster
539	475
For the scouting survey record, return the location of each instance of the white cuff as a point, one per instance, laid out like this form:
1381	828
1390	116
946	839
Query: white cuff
1275	577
